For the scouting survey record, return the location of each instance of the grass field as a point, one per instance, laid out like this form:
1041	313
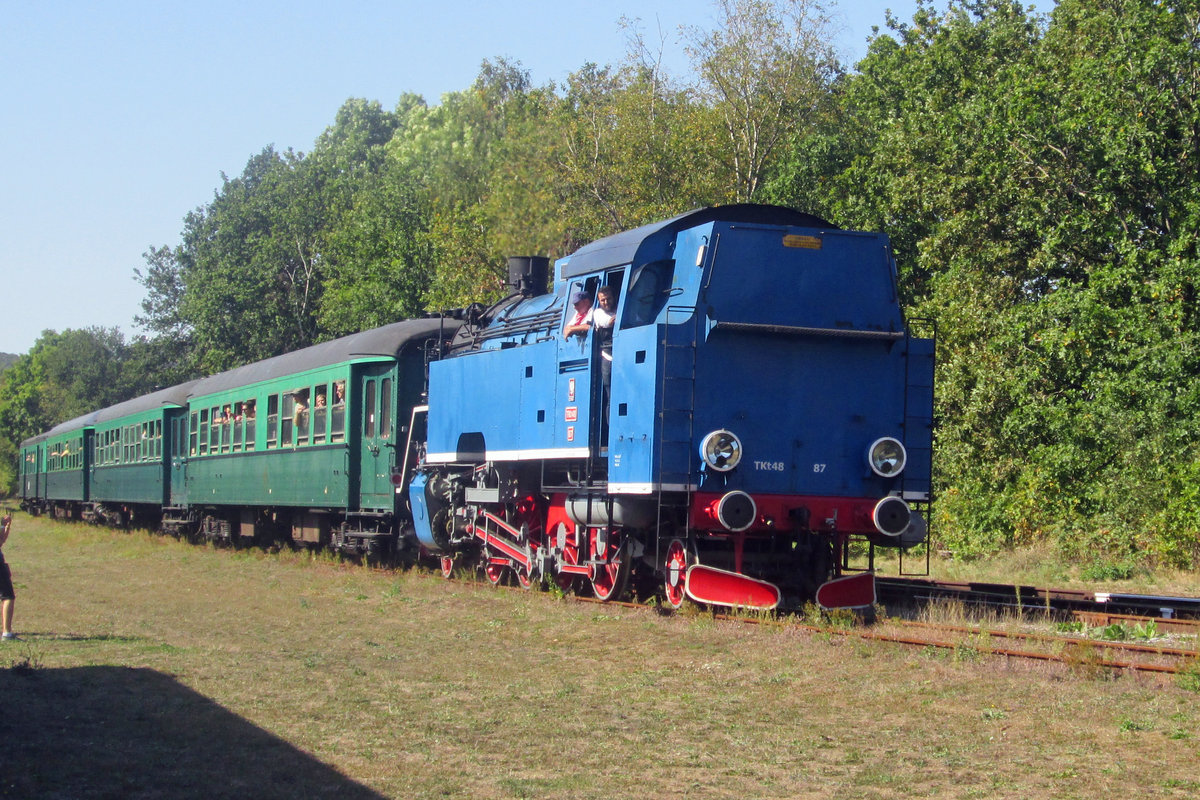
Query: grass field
154	669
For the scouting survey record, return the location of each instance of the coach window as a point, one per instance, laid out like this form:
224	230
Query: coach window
158	440
214	430
287	419
301	415
273	421
203	431
248	408
320	412
385	408
235	427
369	410
337	413
193	432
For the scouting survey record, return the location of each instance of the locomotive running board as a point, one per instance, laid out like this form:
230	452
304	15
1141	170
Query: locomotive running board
851	591
719	587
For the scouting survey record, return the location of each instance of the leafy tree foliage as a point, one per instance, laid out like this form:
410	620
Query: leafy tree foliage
767	70
1037	177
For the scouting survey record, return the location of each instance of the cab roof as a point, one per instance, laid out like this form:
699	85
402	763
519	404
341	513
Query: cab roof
621	248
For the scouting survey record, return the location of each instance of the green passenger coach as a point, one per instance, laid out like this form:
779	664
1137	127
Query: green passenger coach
58	461
130	464
310	444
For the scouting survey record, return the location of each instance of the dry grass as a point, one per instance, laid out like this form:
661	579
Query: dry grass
151	669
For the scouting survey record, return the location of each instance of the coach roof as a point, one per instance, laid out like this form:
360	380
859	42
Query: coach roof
173	396
386	342
621	248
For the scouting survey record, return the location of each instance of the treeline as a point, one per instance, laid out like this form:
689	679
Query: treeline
1037	175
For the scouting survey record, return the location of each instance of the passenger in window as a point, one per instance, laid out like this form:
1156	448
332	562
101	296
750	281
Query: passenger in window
604	316
226	415
579	323
249	409
320	400
603	319
339	393
300	416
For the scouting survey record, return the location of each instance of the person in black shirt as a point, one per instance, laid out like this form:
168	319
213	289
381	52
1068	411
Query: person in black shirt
7	595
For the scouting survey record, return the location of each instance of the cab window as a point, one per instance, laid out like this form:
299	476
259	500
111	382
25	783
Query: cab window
648	293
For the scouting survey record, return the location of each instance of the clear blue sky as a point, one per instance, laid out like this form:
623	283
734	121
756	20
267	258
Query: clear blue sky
118	117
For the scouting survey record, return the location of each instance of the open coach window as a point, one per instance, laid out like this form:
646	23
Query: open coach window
648	293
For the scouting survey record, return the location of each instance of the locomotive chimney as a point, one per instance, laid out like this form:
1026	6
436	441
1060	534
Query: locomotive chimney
527	274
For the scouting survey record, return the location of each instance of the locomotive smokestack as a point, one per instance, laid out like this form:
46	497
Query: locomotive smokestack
527	274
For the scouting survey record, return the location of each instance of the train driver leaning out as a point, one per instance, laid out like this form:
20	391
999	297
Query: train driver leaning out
581	321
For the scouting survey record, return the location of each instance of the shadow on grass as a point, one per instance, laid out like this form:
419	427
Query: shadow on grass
115	732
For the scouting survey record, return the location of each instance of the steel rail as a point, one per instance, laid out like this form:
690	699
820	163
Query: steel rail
1030	598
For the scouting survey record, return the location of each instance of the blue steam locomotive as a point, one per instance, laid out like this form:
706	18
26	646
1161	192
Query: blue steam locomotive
745	401
757	402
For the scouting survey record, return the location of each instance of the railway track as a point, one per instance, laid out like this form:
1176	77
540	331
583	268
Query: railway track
1082	652
1031	598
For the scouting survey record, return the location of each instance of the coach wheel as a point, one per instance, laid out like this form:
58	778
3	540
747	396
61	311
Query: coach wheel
610	573
447	564
675	569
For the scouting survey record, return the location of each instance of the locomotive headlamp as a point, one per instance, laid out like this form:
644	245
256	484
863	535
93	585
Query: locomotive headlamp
721	450
737	511
887	457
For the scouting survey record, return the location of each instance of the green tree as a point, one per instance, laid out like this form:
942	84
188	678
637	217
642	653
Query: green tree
1036	177
767	69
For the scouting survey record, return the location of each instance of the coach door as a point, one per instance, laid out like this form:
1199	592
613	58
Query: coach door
178	460
377	404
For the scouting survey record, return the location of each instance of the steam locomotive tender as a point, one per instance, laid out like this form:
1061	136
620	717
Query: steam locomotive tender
767	404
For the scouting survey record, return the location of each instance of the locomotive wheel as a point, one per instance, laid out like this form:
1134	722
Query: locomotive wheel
524	579
675	570
570	555
447	565
494	573
610	579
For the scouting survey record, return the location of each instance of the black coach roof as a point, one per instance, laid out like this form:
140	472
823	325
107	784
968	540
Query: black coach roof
385	342
173	396
63	427
621	248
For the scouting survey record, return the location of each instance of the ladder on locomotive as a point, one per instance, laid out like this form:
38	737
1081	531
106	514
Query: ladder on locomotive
676	418
919	364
